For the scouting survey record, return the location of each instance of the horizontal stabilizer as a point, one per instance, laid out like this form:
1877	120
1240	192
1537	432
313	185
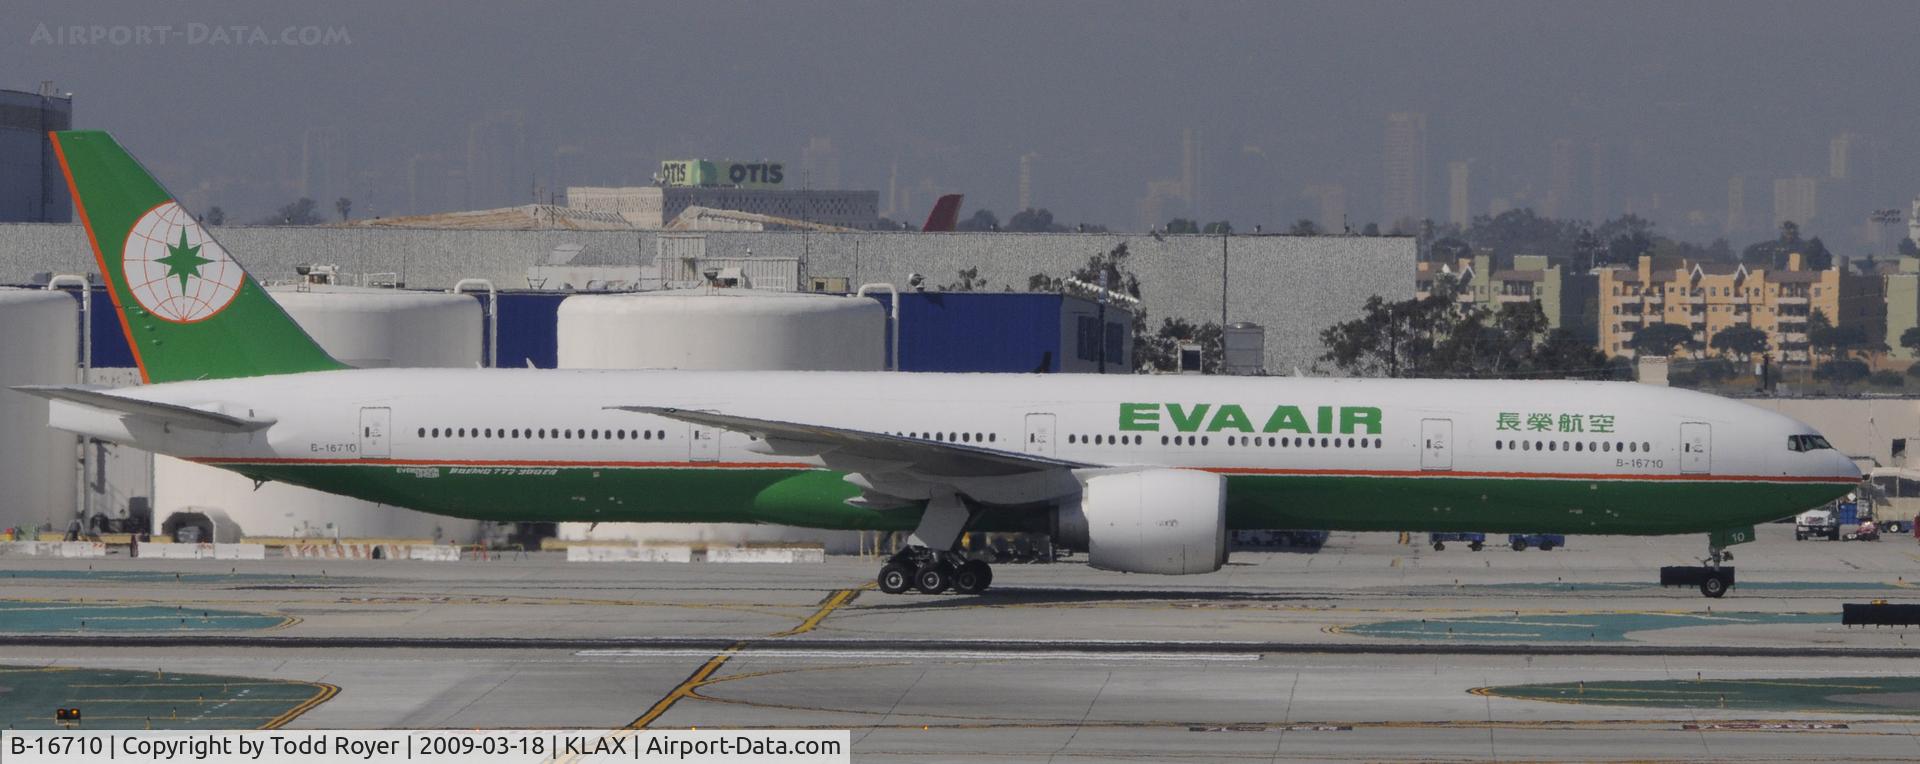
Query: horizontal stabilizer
164	413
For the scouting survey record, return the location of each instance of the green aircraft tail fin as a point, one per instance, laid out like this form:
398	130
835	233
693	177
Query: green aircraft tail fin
188	309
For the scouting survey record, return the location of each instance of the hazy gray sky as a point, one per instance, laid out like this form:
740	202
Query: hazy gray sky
1680	96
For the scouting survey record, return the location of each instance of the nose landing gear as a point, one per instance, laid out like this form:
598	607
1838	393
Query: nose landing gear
1713	578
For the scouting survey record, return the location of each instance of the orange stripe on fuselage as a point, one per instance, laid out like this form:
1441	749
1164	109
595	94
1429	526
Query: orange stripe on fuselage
99	257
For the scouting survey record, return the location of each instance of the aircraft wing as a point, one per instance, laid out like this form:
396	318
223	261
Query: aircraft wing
872	452
172	414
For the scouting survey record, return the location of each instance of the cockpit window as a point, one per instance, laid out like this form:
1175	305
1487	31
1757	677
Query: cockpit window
1807	443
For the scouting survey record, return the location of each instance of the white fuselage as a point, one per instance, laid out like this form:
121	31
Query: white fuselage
1385	430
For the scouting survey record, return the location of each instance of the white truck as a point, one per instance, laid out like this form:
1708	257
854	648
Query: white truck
1816	523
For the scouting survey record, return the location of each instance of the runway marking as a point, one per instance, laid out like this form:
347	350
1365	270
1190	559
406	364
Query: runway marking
686	688
833	603
324	692
701	675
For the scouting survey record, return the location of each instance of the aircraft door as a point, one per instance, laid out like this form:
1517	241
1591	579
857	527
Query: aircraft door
1436	444
1040	434
703	443
1696	448
375	429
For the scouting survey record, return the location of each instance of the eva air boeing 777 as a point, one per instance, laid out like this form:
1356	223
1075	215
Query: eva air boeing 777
1147	474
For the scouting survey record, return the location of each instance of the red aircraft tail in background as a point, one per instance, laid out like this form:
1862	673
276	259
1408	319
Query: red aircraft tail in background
945	214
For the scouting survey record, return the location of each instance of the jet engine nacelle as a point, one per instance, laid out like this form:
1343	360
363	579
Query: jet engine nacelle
1148	521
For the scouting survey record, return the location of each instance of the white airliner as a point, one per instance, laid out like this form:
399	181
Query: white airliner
1146	474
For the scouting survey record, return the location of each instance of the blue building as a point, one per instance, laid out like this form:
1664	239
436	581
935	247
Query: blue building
1012	332
32	188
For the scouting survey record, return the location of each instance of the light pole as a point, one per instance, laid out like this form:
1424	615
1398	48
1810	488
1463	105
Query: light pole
1225	231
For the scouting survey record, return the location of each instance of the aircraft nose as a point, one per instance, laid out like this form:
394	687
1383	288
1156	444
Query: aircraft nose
1842	467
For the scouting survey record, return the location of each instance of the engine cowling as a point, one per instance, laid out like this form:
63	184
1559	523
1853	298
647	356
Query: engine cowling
1165	521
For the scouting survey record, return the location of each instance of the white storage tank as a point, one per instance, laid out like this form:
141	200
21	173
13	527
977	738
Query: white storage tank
720	329
39	345
365	327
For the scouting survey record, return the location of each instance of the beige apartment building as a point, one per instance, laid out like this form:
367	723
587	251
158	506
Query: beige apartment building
1566	299
1711	297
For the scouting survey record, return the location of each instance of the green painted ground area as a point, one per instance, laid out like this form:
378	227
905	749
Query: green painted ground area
110	699
1567	627
45	617
1861	695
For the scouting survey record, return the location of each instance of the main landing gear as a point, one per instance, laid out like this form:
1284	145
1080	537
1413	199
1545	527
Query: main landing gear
933	572
929	563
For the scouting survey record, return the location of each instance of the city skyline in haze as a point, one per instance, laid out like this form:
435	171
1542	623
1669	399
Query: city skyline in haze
1713	119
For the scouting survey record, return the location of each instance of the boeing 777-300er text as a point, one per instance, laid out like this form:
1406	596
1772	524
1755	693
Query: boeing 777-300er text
1146	474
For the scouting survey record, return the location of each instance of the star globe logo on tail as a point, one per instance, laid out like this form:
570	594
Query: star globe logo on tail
175	270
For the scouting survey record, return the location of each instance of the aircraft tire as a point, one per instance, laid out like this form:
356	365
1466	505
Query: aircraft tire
1713	585
973	577
933	579
895	578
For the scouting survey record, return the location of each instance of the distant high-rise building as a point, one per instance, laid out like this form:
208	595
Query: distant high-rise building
1405	195
1459	200
1026	179
1839	156
1331	201
1190	170
319	179
1560	172
496	163
894	207
1796	200
32	188
1599	192
820	162
1174	197
1913	221
1736	206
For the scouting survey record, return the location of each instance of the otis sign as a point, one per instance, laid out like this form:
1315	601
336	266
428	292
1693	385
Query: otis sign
721	173
1232	417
